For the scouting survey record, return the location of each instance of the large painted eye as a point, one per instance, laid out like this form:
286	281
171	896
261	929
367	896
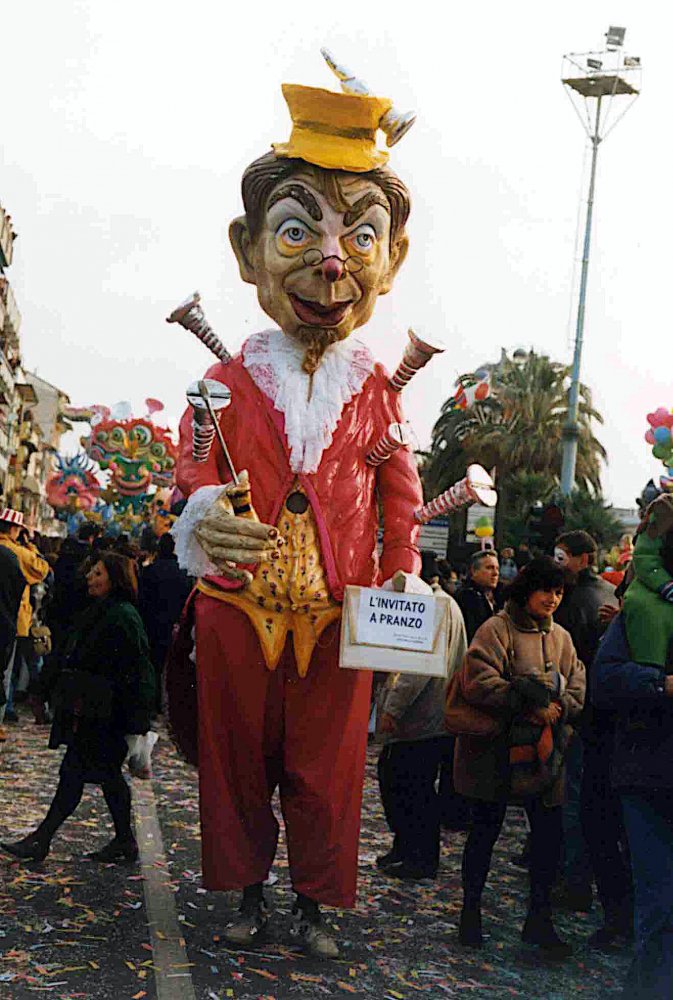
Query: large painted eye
141	434
293	233
363	239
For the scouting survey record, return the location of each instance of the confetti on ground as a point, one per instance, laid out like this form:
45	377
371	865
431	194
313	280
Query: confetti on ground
79	932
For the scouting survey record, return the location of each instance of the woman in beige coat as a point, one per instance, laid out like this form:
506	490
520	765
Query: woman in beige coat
522	669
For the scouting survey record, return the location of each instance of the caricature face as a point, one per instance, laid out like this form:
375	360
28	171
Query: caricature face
350	242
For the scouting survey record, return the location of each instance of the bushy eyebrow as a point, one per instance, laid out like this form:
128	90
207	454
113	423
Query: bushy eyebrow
362	204
300	194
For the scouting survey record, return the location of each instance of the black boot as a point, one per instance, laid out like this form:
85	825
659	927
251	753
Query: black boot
34	847
393	857
469	928
116	850
617	929
539	930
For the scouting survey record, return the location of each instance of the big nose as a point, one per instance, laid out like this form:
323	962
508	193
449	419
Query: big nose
332	269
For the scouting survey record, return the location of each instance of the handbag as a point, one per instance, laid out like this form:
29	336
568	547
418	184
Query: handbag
41	638
463	719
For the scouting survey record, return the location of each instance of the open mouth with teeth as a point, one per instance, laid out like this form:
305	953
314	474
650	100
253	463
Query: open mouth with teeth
314	314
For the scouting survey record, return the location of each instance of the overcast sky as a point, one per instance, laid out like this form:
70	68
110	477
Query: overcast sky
125	127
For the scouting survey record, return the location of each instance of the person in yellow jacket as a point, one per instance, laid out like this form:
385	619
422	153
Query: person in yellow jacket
34	569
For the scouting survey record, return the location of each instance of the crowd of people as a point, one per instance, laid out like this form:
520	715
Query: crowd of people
86	627
557	699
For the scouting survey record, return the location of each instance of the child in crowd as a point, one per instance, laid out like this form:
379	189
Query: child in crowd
648	602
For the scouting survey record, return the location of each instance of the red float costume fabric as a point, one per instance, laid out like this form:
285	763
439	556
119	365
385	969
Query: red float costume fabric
262	729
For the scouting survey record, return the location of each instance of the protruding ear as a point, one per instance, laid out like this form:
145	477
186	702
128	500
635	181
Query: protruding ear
239	236
398	252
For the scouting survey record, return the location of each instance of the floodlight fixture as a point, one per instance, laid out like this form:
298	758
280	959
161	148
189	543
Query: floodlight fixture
594	64
614	37
631	62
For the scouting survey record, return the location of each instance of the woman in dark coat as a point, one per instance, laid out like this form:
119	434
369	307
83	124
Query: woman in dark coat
104	690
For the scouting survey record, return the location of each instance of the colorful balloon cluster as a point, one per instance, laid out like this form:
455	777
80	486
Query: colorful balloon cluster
660	436
471	388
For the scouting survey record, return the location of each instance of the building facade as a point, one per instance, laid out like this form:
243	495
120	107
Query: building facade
31	423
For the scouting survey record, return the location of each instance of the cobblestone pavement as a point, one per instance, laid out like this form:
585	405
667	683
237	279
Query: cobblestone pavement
72	929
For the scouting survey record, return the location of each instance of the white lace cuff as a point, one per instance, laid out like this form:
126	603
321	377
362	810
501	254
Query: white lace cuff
190	554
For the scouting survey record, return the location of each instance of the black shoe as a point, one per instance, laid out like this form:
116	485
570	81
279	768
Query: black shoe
539	930
116	850
408	873
609	938
11	716
617	929
469	928
386	860
34	847
574	898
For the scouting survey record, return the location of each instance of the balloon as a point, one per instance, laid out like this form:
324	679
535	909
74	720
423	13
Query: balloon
649	437
661	451
153	405
662	435
122	410
485	532
659	417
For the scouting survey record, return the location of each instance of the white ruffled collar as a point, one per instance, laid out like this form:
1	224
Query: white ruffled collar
274	362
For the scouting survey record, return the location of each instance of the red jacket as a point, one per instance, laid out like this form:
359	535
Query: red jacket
343	492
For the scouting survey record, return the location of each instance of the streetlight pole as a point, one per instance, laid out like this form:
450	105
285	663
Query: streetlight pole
571	429
600	77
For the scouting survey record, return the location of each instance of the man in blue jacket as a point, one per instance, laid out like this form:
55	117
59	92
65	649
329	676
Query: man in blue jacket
642	772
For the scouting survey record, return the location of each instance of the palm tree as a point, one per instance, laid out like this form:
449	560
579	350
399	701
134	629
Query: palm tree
519	430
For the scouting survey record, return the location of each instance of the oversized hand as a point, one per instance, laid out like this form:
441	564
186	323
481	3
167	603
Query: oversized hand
228	539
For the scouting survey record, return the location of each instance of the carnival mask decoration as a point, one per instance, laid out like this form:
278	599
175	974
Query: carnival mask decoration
136	452
73	486
323	233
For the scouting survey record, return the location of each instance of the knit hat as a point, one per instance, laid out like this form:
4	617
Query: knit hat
13	516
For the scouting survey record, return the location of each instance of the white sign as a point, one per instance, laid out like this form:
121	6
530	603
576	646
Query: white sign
402	621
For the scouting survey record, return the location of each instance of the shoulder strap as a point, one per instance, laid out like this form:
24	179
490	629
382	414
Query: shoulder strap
547	662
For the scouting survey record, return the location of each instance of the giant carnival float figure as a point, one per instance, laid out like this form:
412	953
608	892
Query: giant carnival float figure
317	424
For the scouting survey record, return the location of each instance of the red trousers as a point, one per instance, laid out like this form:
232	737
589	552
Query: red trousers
260	730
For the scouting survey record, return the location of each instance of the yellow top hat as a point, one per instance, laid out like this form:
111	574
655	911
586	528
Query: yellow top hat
334	131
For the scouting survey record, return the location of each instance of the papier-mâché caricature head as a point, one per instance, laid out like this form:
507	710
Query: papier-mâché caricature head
321	242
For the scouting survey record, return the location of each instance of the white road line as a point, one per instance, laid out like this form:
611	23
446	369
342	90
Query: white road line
173	979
